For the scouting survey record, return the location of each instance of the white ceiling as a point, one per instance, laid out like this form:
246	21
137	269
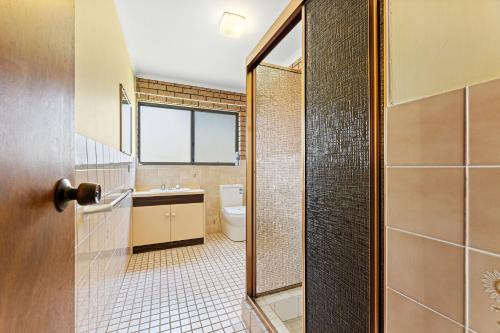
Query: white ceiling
179	40
288	50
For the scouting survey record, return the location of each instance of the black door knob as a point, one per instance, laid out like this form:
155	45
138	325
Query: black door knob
86	194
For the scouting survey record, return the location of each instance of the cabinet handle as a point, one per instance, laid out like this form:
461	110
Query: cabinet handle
167	214
173	214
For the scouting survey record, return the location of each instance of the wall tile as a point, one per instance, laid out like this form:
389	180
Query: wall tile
482	197
91	153
428	271
147	177
484	208
80	152
82	304
82	226
82	259
484	292
428	201
484	120
103	240
406	316
429	131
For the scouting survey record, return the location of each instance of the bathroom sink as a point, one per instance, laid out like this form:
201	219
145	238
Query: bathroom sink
159	190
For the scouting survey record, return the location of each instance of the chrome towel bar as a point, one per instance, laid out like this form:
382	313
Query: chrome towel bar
106	207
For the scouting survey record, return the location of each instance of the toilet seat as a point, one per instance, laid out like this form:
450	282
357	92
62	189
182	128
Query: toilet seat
237	210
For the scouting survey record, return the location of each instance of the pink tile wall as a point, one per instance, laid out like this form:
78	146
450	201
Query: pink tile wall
442	212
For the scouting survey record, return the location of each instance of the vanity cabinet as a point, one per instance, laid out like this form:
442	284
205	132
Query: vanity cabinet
167	221
186	221
151	225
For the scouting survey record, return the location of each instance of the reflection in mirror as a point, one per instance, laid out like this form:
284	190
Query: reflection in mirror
279	184
125	122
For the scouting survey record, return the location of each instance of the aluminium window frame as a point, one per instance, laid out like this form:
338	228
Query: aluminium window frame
192	111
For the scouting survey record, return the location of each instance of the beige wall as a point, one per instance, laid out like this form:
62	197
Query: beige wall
441	45
102	63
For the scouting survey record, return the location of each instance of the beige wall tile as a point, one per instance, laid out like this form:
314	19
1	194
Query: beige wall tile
102	239
428	271
406	316
484	120
82	259
429	131
484	208
428	201
147	177
484	292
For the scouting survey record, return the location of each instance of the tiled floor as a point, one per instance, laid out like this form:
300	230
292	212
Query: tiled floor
189	289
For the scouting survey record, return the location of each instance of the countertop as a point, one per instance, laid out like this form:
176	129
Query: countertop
166	193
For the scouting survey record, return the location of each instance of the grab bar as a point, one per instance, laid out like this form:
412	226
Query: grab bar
106	207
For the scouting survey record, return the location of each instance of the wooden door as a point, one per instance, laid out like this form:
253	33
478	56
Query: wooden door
151	225
37	244
187	221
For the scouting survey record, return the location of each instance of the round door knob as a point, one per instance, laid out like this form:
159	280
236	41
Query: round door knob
85	194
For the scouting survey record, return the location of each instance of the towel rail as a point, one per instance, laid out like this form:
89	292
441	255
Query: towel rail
106	207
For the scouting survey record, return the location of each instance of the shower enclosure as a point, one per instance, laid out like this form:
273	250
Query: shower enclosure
313	162
278	192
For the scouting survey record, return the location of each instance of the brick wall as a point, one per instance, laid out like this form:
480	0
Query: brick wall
166	93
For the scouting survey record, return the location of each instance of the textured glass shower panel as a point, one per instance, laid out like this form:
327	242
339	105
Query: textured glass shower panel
278	178
337	240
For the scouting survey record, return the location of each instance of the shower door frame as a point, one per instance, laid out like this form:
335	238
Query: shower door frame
292	15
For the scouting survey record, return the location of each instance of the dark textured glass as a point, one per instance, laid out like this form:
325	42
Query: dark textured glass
337	166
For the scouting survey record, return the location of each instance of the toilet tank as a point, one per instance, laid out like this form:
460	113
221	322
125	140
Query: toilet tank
231	195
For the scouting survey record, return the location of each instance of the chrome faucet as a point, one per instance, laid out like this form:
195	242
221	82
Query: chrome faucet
163	187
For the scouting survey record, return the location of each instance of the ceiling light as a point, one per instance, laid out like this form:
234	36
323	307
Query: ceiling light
232	25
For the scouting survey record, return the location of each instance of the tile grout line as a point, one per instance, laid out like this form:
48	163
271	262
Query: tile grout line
470	248
424	166
425	306
426	237
471	166
467	163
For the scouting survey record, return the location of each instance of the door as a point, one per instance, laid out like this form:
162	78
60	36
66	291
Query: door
37	244
187	221
151	225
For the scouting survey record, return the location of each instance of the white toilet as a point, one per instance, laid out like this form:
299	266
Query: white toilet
232	212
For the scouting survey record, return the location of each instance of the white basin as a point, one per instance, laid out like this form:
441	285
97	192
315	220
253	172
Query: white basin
159	190
170	191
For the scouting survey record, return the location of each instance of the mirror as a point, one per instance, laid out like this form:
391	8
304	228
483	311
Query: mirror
125	122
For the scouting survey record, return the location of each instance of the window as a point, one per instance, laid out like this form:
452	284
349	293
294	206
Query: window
171	135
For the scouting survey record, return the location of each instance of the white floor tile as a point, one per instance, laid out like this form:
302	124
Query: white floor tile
190	289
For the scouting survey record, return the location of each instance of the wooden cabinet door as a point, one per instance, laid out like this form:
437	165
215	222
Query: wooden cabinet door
187	221
151	225
37	244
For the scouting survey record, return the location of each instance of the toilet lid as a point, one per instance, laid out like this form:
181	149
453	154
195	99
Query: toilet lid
238	210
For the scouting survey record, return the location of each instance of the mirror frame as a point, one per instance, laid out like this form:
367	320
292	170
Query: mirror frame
123	96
